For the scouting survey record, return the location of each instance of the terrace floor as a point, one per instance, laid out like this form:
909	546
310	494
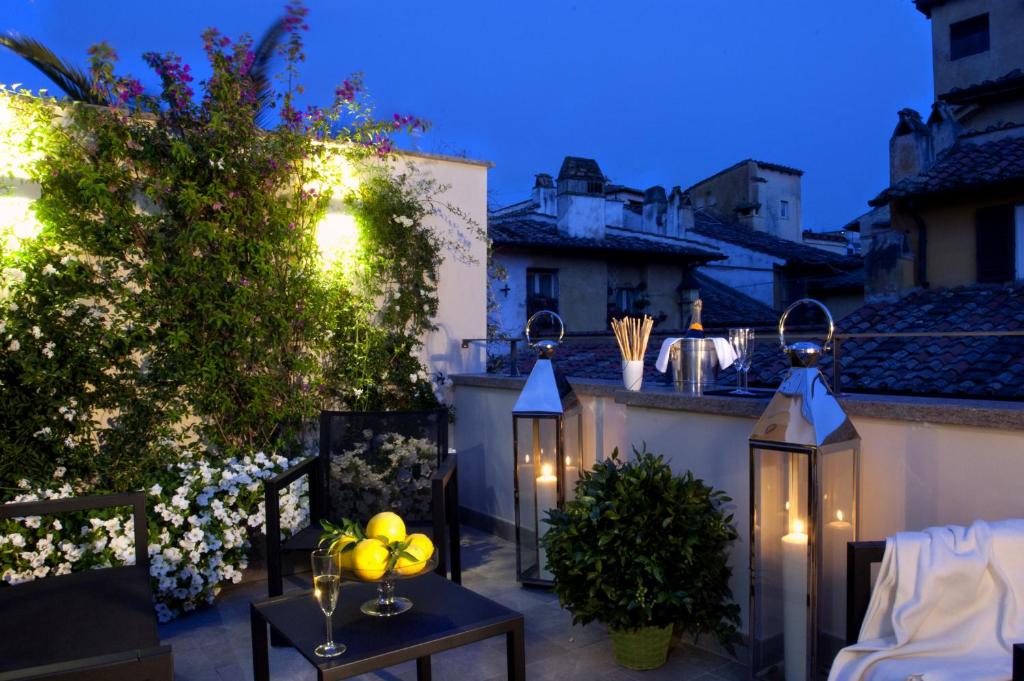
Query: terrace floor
215	644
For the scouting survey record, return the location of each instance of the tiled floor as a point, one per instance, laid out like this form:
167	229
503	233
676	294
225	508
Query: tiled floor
214	645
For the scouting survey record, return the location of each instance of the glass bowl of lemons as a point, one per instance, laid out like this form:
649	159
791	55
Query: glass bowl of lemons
382	553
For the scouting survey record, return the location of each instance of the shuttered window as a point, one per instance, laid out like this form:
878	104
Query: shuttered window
996	247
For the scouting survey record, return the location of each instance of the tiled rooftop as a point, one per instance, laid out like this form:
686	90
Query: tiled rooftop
977	367
793	252
965	165
215	644
537	232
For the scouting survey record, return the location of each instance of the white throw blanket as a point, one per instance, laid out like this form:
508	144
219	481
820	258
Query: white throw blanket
948	605
724	350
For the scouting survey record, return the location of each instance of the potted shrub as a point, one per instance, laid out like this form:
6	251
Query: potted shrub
640	550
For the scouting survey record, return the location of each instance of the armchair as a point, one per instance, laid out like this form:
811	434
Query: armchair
94	625
340	431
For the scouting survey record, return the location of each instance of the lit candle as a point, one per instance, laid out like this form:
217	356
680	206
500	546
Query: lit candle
837	533
794	602
547	497
572	474
527	503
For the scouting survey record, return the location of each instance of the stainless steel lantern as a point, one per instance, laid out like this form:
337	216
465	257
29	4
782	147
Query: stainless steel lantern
804	458
547	444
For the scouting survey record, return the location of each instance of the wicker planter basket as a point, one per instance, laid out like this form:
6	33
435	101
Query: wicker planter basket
643	648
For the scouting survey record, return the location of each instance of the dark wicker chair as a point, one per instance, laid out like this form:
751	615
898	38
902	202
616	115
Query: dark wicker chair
94	625
860	555
340	431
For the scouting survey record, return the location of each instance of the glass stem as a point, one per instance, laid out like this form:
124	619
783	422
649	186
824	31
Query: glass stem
746	378
739	376
385	594
330	631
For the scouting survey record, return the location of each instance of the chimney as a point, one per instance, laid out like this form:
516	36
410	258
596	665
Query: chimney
580	198
679	219
544	194
943	127
910	147
655	207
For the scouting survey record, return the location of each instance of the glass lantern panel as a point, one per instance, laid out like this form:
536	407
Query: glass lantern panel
536	471
780	625
572	424
839	522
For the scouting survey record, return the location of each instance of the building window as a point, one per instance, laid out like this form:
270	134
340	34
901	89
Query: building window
995	238
784	210
541	292
968	37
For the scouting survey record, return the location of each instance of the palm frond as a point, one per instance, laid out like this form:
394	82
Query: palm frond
69	78
264	53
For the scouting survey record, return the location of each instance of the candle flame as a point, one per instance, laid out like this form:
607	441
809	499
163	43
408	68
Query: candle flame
527	459
568	460
798	527
787	505
546	469
839	516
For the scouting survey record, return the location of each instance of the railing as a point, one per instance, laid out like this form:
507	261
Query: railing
513	352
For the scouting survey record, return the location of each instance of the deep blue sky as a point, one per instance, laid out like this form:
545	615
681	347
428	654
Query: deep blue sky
659	92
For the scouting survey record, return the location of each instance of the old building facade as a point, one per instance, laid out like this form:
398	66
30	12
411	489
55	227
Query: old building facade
956	194
590	249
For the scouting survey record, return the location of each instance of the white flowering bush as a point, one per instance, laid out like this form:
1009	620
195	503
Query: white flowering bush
386	472
202	518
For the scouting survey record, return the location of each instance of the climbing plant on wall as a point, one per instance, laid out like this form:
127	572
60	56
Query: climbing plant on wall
192	278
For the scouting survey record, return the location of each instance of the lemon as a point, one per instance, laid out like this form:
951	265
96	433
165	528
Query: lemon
344	557
422	548
386	524
370	559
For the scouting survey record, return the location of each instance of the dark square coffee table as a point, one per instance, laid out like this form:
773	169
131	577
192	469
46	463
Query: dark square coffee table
444	616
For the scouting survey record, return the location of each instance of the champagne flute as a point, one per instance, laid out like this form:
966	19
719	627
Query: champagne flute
326	585
748	359
741	341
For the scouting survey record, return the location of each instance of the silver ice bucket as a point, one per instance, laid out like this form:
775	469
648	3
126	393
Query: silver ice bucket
694	364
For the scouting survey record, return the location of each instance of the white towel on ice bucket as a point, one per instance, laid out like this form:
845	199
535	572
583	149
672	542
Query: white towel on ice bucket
723	348
948	605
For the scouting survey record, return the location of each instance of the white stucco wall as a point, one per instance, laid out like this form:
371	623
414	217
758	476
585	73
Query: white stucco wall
462	284
913	475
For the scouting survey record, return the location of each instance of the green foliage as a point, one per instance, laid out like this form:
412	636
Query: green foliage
175	294
641	547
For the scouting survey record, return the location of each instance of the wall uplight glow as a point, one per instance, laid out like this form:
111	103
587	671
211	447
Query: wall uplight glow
337	237
17	220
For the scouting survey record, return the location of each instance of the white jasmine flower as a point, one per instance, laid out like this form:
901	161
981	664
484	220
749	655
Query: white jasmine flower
48	349
36	332
14	345
59	473
49	269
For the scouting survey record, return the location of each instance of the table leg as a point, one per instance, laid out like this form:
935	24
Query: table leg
423	672
260	650
516	654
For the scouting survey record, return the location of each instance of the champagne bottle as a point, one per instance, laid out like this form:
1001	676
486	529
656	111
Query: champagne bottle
696	329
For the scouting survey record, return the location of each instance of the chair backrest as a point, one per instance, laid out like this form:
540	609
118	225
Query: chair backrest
137	500
860	556
342	431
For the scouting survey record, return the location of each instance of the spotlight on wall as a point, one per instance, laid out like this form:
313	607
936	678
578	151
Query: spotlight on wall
337	237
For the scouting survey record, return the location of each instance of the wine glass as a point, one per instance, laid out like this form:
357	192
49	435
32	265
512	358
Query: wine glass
742	341
326	585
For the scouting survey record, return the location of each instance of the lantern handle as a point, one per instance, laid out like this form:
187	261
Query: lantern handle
533	318
807	301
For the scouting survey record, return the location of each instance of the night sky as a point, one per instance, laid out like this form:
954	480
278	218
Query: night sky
659	92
